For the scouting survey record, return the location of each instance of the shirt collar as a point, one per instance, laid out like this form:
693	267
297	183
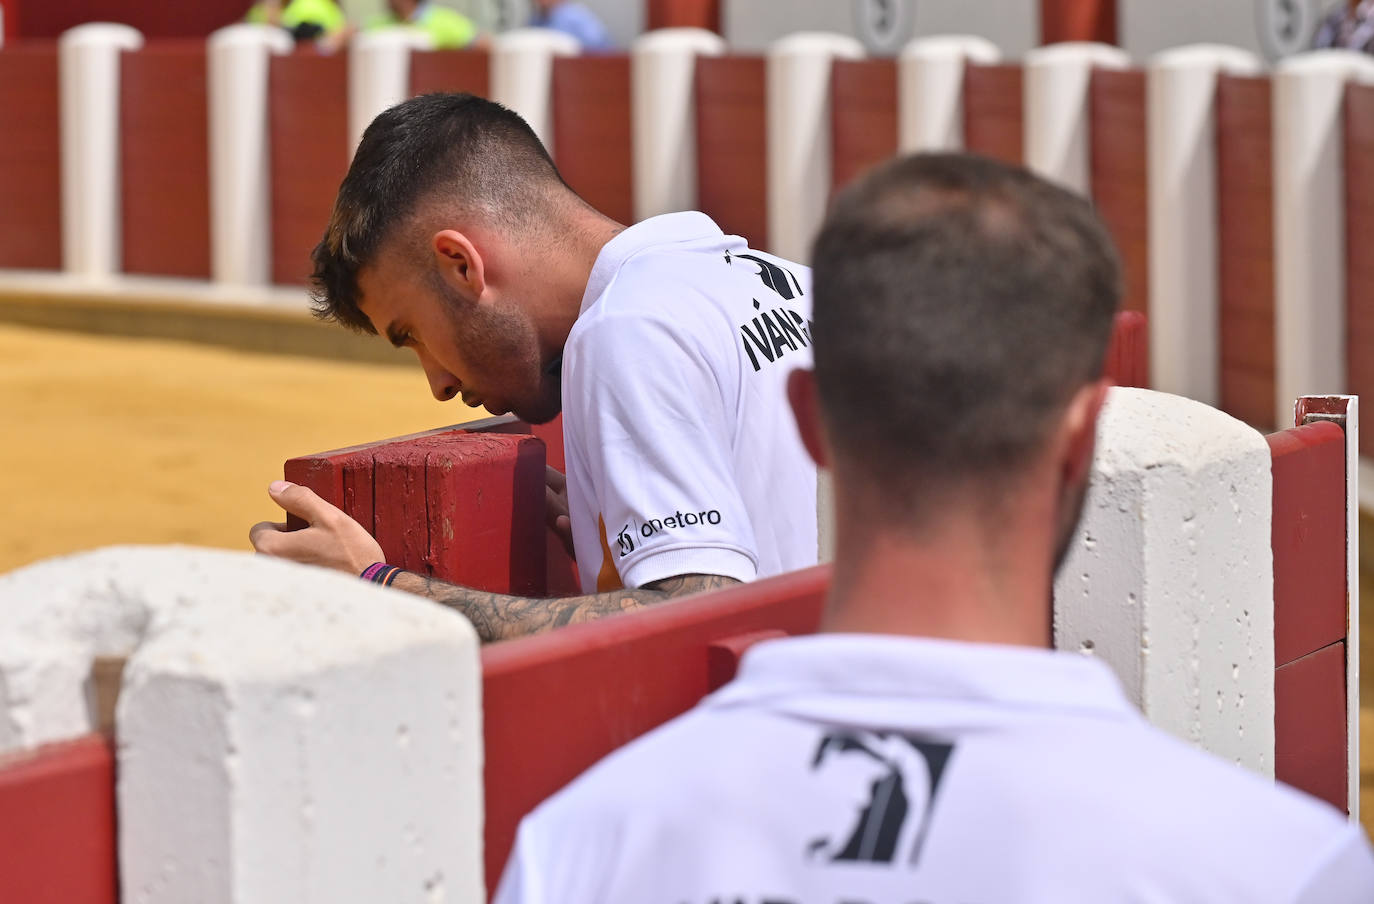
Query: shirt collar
669	228
794	673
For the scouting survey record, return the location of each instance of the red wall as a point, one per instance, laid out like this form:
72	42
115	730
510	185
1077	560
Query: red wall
155	18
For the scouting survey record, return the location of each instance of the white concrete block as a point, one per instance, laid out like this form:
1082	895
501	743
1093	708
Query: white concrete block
240	178
522	74
1057	128
798	136
1185	341
88	84
1169	578
930	90
284	733
379	74
663	117
1309	222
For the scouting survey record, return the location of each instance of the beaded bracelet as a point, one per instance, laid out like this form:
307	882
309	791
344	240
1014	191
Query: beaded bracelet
381	573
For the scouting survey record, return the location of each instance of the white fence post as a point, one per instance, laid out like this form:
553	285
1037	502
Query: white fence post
1057	128
1169	578
284	733
379	74
1185	340
1309	222
663	116
88	67
930	90
240	183
522	74
798	130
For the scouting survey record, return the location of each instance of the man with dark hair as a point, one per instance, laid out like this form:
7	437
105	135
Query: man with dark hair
666	345
928	745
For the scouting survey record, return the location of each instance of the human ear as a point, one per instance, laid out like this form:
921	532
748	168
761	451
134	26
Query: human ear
1080	432
801	394
460	264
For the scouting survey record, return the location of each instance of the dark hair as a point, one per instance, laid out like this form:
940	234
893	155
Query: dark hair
959	304
458	148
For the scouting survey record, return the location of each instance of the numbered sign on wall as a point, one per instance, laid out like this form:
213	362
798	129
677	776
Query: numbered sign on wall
883	26
1271	28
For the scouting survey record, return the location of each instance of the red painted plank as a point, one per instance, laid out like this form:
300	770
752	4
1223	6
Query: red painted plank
1128	355
732	160
684	14
863	116
1308	539
154	18
591	128
578	693
450	70
30	178
1077	20
1310	745
1245	224
57	824
1119	170
308	118
165	167
993	111
1359	221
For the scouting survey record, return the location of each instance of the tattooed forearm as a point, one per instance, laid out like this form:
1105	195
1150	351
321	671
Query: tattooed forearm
499	616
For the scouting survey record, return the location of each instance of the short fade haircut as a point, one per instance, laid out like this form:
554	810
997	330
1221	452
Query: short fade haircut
457	148
959	305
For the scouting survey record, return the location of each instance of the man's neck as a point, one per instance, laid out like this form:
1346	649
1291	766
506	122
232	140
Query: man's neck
963	579
569	271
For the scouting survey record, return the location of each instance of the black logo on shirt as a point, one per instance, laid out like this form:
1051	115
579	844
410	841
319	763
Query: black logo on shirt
894	812
678	519
774	277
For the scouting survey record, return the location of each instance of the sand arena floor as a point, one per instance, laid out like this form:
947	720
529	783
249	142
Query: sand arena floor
123	440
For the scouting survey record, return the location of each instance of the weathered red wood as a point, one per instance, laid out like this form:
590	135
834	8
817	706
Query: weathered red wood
1128	355
450	70
164	157
732	159
30	177
1308	539
556	703
1119	173
57	824
308	117
993	111
863	116
1310	743
1359	223
1077	20
1245	224
591	127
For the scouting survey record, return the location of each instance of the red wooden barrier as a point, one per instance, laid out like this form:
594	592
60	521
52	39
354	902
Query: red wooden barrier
1245	221
993	111
450	70
732	161
1310	609
165	167
57	824
1359	224
591	128
1117	109
1077	20
154	18
863	116
308	116
555	704
30	177
1128	354
684	14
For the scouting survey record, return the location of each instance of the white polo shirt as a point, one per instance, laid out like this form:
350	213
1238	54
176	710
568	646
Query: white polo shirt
878	770
682	454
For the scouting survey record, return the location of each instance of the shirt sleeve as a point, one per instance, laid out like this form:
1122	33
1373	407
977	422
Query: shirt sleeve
1345	875
520	880
656	436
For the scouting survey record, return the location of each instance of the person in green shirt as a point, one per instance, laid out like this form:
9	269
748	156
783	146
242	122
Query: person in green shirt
305	19
448	28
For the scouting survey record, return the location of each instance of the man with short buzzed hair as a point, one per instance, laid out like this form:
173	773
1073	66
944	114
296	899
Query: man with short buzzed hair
929	746
666	345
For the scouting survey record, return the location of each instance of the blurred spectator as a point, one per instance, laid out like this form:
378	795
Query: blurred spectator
1350	26
307	20
448	28
574	19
